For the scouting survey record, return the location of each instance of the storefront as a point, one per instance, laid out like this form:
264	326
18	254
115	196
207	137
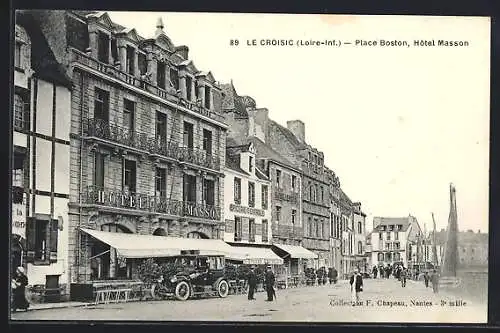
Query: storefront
295	258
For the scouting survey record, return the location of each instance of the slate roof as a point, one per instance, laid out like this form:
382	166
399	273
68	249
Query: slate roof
287	133
386	221
232	101
43	61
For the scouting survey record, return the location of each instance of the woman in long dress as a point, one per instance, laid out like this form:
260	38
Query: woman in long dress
19	284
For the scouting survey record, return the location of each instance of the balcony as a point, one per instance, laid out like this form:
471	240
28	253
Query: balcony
287	231
109	70
149	203
279	194
104	130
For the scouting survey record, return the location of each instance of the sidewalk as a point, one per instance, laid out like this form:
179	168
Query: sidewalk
47	306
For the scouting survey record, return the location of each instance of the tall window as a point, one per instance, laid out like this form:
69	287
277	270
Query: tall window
143	64
103	45
250	164
294	183
174	78
360	228
160	75
322	194
129	176
316	224
99	170
278	178
310	190
128	114
130	60
396	235
189	87
265	194
251	230
380	236
18	55
294	216
278	213
188	135
388	235
238	228
161	127
237	190
161	183
251	194
196	90
208	97
360	247
209	192
310	226
101	105
21	110
189	188
207	141
321	229
265	231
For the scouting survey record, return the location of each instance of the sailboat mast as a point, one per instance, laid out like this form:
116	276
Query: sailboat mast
435	260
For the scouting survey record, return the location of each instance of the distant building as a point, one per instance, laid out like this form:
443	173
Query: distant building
391	239
472	247
359	219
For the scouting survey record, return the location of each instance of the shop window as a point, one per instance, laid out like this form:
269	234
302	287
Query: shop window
188	135
237	190
207	141
189	188
209	192
160	75
265	194
103	47
129	176
251	194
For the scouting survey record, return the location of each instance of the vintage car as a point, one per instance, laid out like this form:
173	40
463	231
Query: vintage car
199	275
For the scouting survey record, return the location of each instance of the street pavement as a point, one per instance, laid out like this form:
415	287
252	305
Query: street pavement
382	301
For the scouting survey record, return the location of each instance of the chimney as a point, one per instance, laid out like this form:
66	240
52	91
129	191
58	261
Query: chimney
258	122
298	129
183	51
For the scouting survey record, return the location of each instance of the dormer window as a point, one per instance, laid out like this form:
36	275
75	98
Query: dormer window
160	75
250	164
143	64
174	78
103	47
208	98
189	86
130	60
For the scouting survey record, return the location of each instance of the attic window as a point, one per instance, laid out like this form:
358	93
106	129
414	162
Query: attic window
103	47
174	78
143	65
207	97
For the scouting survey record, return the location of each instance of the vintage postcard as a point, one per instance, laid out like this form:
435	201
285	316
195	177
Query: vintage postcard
249	167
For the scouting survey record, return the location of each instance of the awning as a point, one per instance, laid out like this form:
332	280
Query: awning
297	251
255	255
146	246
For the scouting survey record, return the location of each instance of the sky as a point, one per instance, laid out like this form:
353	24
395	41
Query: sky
396	124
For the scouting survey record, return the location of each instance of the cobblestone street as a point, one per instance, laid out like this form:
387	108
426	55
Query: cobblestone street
308	304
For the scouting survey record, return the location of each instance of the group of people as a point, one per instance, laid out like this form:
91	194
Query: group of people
269	282
403	273
18	285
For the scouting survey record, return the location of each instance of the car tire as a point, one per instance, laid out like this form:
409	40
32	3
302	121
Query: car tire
223	289
182	291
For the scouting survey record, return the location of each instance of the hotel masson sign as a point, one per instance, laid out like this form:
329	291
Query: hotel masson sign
152	204
246	210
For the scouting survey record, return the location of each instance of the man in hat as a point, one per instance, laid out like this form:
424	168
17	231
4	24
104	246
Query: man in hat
356	283
269	282
252	283
19	284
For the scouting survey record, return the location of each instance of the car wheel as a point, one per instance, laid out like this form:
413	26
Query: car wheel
182	291
223	289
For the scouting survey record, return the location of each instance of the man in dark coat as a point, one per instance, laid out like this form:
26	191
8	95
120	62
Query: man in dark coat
402	276
356	283
19	284
252	283
269	282
375	271
426	279
435	281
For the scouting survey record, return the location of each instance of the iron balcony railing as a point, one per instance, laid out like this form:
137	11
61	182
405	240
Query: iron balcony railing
106	130
287	231
280	194
87	60
95	195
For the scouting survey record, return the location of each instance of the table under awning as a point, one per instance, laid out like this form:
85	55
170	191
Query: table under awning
149	246
297	251
255	255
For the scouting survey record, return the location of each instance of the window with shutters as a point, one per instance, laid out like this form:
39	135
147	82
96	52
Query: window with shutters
237	190
251	194
251	230
238	228
265	231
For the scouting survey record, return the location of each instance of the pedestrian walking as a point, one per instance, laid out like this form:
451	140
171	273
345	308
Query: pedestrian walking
375	271
426	279
402	276
252	283
269	282
335	275
435	281
19	283
356	283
